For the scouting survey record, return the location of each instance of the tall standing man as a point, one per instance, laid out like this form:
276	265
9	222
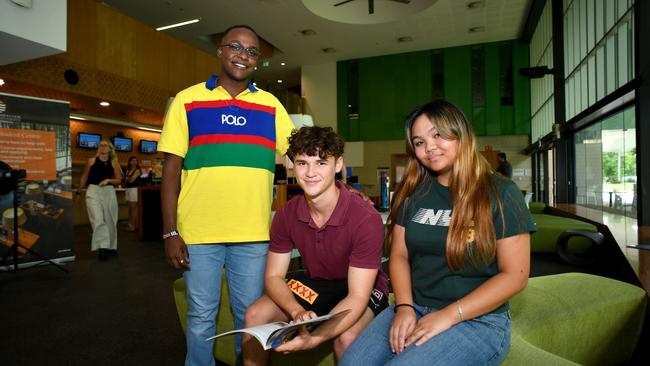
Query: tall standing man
220	138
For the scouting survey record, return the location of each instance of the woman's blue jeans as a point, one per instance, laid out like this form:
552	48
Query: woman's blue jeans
484	340
244	265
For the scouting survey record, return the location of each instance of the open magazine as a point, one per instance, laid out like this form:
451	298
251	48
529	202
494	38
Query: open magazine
273	335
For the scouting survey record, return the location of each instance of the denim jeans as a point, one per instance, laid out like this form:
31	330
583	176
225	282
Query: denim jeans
484	340
244	265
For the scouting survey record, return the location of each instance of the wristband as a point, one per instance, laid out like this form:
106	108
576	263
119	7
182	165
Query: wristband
170	234
398	305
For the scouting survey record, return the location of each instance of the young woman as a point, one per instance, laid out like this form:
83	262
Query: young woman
460	248
130	183
101	173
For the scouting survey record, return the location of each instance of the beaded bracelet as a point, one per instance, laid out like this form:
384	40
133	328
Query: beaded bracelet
398	305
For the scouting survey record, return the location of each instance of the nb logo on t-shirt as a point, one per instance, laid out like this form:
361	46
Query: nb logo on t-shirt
427	216
233	120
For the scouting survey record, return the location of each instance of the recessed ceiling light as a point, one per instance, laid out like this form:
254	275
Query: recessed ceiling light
282	63
2	82
279	81
477	29
308	32
104	103
329	50
404	39
178	24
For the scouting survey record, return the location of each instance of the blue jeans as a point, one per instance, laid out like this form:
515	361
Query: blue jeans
484	340
244	265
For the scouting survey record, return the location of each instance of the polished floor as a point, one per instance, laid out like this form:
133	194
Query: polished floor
118	312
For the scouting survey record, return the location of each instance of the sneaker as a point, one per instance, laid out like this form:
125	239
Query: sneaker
112	252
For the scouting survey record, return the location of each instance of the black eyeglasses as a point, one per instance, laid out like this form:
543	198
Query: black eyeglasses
251	52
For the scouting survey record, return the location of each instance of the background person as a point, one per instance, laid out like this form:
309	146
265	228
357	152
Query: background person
340	239
460	249
504	166
100	174
130	183
220	139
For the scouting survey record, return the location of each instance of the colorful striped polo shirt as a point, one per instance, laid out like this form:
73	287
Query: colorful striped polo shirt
229	146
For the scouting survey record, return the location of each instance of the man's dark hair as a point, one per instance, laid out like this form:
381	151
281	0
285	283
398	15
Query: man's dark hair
315	141
502	155
238	26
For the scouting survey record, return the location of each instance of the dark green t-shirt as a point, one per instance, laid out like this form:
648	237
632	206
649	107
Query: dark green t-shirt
426	216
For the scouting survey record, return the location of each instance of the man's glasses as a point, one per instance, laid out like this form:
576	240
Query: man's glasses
251	52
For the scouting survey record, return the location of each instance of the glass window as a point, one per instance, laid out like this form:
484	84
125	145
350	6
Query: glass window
605	164
610	64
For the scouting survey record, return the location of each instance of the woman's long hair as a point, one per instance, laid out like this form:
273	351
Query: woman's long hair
471	230
137	163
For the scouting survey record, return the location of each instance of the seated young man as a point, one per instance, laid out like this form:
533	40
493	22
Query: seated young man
340	240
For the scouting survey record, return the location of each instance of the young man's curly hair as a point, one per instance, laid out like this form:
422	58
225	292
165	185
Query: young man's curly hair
312	141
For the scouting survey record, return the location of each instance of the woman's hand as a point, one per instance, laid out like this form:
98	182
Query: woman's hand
403	325
430	326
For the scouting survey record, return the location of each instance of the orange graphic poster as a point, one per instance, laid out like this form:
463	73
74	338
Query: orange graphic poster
32	150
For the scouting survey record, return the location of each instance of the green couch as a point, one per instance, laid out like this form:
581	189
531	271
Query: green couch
550	227
564	319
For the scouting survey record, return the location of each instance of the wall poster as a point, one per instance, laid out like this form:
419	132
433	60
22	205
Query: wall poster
35	137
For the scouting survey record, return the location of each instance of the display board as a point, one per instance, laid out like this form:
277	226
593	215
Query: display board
35	137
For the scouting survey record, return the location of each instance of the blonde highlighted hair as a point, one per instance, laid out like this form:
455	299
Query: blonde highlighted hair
471	230
112	154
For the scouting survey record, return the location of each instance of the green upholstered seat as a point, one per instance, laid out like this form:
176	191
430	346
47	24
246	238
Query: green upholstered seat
575	318
565	319
550	227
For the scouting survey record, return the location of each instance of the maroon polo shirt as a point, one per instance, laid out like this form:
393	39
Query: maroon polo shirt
352	237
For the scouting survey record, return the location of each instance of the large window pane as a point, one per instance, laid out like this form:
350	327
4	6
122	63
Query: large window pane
605	164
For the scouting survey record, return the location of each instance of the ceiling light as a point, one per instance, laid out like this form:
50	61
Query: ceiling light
282	64
179	24
152	129
329	50
279	81
475	4
308	32
477	29
104	103
2	82
404	39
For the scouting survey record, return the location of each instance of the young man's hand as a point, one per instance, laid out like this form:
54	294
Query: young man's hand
301	342
176	253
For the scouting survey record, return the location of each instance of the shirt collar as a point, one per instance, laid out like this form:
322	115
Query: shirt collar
337	217
211	84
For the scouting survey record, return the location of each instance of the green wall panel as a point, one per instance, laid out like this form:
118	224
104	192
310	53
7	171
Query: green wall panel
458	77
493	91
521	89
342	85
390	86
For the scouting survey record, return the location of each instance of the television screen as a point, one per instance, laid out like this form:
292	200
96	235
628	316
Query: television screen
87	140
123	143
148	147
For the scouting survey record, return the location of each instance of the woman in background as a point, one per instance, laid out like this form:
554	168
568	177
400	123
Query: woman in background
101	173
460	248
130	183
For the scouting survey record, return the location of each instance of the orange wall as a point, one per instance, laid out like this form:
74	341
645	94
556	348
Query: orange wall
79	156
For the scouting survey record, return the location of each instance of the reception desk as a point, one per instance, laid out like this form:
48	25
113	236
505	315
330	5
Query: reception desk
149	213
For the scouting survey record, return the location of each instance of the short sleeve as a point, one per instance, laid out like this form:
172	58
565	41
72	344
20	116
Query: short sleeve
174	138
280	237
283	128
516	217
368	243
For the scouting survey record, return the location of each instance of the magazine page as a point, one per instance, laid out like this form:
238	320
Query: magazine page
260	332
